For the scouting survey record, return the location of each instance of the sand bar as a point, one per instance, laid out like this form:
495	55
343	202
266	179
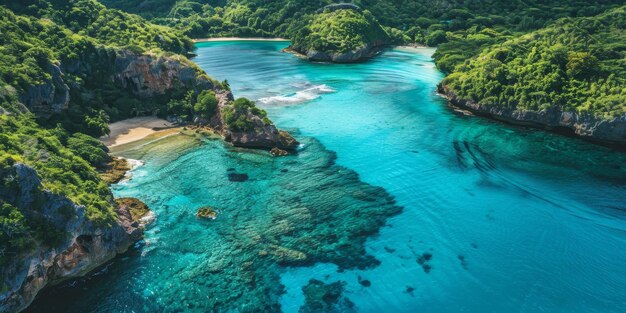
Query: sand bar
133	129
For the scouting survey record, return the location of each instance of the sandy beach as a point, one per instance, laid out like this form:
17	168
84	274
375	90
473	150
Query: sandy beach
133	129
239	39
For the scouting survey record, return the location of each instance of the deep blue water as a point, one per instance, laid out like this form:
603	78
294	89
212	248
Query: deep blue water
513	219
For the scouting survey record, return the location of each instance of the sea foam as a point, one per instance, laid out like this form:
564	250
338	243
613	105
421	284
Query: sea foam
301	96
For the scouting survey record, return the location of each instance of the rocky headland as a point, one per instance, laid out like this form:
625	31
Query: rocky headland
82	244
80	247
587	126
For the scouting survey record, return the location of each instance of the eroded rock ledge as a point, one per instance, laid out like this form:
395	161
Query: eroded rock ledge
358	55
85	246
606	131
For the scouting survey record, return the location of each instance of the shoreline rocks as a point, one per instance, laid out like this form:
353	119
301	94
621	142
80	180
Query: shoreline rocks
115	170
263	135
610	132
361	54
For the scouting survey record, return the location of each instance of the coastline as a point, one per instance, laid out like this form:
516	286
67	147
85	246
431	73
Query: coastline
570	124
217	39
133	129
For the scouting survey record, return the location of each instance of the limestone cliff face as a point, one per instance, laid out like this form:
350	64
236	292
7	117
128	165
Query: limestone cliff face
612	131
86	245
143	75
149	75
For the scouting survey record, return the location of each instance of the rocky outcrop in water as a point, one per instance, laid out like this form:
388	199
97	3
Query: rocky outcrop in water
610	131
85	245
263	135
340	33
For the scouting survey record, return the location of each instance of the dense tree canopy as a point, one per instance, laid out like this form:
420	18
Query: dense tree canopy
575	65
62	169
340	31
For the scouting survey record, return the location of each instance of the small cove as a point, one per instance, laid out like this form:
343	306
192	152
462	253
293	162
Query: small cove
513	219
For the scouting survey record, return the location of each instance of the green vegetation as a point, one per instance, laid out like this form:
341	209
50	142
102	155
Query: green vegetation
89	148
40	40
528	55
340	31
60	167
111	27
239	114
14	232
56	156
32	46
512	53
206	104
574	65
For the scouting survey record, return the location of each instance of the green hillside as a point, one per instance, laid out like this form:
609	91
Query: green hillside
574	65
340	31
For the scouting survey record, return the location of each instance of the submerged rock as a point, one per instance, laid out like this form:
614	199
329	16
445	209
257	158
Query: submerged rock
278	152
307	215
424	260
425	257
207	212
364	282
237	177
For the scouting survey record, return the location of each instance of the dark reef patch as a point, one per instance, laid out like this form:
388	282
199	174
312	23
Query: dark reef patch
322	297
409	290
364	282
463	261
424	260
237	177
316	212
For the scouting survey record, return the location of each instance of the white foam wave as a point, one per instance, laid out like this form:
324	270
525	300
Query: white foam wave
134	164
305	95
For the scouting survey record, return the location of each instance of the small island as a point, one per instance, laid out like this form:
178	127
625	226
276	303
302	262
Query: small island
341	33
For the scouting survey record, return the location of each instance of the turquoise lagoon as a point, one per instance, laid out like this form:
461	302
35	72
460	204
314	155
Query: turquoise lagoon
395	203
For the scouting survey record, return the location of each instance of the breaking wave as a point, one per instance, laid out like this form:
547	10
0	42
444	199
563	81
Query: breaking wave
301	96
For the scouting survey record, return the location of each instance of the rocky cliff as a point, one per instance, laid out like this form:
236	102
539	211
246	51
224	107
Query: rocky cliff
84	246
154	79
609	131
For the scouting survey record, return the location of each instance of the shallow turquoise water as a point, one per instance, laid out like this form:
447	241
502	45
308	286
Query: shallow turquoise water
516	220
